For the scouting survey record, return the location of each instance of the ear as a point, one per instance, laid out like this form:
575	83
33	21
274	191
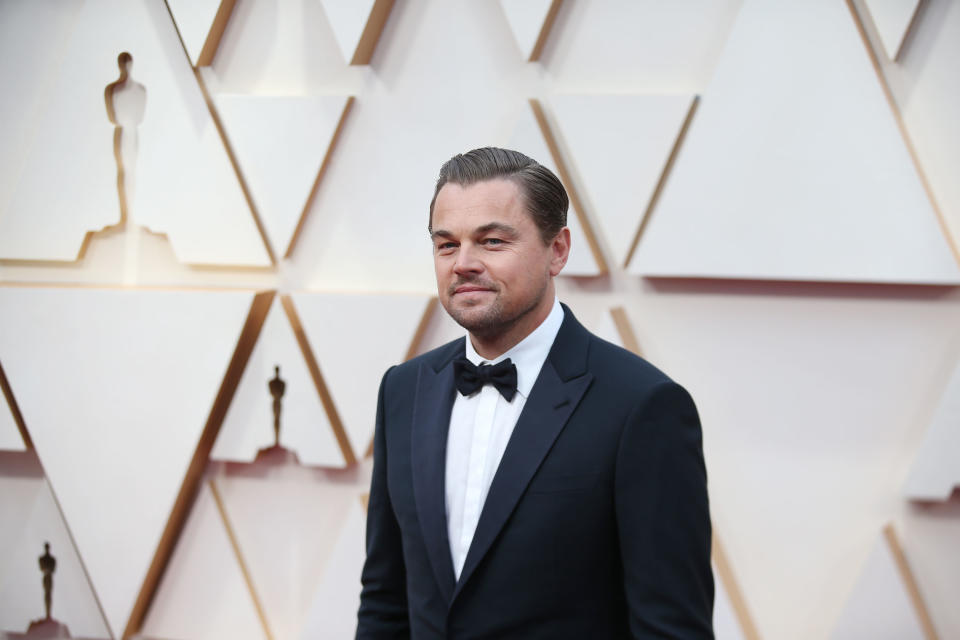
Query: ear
559	251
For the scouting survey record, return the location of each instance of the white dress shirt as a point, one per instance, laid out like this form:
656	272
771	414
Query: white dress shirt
480	427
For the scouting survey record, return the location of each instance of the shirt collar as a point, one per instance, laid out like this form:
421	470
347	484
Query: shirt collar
530	353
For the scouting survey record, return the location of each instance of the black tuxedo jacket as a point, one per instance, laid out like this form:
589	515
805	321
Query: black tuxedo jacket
596	524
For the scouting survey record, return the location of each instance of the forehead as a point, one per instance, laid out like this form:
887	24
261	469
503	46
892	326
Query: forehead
479	203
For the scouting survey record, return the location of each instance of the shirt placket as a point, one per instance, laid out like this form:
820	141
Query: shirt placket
479	452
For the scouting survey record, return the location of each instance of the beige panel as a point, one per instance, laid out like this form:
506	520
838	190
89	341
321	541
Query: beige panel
788	381
194	20
287	521
795	166
281	144
620	147
31	517
333	610
530	22
305	427
611	46
134	374
885	602
348	20
935	472
203	594
356	338
27	79
893	19
185	184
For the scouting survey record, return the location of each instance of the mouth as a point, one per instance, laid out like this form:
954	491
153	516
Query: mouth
470	288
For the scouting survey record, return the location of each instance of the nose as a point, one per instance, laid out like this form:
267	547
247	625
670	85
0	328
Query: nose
467	262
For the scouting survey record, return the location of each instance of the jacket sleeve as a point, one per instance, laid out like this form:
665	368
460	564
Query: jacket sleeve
383	597
663	518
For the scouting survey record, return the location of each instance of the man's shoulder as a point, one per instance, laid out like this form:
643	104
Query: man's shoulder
623	374
603	358
611	357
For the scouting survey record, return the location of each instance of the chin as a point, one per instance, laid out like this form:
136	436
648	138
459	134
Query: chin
478	319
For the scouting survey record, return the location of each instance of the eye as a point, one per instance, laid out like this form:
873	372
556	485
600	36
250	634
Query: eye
493	242
446	247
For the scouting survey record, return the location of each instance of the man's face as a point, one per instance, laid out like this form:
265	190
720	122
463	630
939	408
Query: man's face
493	269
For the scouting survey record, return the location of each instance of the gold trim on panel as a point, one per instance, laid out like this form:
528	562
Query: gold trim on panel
564	176
909	31
320	173
421	330
365	501
735	595
545	30
190	487
625	330
662	181
325	398
219	26
910	583
15	410
215	116
372	31
953	243
244	570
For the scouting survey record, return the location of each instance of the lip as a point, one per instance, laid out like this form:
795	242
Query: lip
470	289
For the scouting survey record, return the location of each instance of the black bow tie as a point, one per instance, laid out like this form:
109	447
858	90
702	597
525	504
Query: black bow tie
471	378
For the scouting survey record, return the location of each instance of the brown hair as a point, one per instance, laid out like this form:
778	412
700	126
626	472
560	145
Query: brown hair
544	196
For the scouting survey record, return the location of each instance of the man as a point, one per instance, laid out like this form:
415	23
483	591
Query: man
529	481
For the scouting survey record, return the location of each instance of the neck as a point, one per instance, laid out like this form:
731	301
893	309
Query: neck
491	346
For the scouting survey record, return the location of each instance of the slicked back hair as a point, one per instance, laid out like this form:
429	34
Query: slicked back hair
544	197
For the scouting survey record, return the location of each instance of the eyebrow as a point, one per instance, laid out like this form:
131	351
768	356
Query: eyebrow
487	228
497	226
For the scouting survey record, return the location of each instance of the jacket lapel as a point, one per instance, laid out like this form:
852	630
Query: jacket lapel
431	418
561	384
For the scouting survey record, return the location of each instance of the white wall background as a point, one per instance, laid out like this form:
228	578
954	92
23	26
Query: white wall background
815	396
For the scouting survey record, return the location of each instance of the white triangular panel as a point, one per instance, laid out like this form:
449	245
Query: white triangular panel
356	338
115	403
203	593
304	426
347	20
892	19
185	185
30	517
726	626
879	605
794	167
286	525
619	145
333	611
10	438
936	469
280	143
526	18
527	139
194	19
